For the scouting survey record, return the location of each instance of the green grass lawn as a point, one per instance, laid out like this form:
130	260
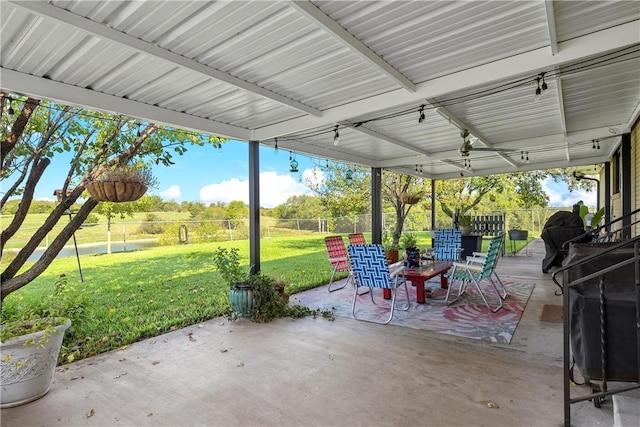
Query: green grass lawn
141	294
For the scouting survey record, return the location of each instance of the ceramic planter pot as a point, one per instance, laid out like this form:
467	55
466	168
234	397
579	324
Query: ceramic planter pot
465	230
27	365
241	297
518	234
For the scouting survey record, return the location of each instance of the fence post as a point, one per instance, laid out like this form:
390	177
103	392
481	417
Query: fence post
230	230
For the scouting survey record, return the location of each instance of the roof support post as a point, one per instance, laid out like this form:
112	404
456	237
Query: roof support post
433	204
607	195
254	206
625	159
376	205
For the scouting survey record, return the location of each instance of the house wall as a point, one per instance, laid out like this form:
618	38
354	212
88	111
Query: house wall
616	198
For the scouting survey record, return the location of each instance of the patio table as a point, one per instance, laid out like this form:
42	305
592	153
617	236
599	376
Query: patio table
419	275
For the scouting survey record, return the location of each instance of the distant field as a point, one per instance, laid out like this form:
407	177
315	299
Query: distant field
93	232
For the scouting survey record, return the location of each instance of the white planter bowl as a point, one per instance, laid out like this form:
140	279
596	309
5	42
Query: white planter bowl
26	370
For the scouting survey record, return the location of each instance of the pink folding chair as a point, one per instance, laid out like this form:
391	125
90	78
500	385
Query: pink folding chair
338	258
357	239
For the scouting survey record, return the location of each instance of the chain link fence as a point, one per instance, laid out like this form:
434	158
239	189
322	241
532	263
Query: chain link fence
200	231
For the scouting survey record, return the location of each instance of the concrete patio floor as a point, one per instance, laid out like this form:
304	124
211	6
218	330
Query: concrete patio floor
314	372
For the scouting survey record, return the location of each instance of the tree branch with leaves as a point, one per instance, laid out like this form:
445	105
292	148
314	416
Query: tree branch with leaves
96	142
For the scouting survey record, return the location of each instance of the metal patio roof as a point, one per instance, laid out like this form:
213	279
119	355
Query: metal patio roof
261	70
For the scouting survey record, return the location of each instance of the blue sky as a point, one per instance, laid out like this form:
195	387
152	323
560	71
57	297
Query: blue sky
209	175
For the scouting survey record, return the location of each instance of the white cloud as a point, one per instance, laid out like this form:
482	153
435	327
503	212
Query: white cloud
560	196
172	193
274	190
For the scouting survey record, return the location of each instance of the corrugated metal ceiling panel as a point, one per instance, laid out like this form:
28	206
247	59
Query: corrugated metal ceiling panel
577	18
426	39
600	97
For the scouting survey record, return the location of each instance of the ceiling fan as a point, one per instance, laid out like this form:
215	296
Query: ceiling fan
467	145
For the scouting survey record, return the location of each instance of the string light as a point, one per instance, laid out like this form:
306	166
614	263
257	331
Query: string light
276	144
540	89
10	110
422	117
596	144
336	136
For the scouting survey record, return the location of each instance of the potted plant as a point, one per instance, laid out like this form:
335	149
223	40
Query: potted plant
410	199
257	296
30	346
390	250
121	184
464	223
408	241
227	262
270	300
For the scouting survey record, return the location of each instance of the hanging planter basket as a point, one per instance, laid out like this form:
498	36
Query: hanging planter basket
410	199
116	191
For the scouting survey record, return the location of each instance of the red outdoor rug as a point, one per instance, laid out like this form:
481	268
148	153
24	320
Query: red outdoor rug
468	317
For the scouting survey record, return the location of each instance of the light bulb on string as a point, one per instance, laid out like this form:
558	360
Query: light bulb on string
276	145
538	90
336	136
422	117
10	110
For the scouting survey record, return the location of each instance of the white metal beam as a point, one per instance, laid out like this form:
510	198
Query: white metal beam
529	62
460	124
67	94
312	12
524	144
563	119
528	167
96	29
391	140
551	26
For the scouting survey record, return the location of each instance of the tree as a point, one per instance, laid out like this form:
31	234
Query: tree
303	206
463	195
395	188
94	142
341	188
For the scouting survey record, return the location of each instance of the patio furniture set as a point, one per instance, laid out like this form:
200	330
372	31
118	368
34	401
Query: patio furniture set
368	268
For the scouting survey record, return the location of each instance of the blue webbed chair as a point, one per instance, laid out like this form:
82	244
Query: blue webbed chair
370	269
447	245
474	270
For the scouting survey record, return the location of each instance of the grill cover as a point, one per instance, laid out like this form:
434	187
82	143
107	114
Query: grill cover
620	315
